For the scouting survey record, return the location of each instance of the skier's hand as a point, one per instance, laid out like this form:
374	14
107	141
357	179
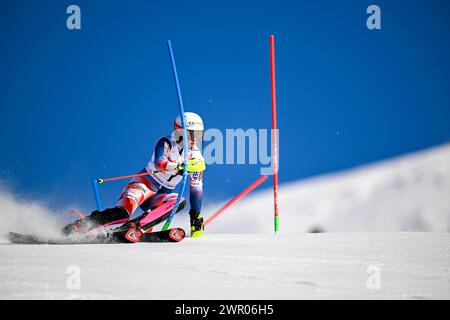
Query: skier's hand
194	165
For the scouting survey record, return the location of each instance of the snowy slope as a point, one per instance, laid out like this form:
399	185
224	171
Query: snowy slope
409	193
306	266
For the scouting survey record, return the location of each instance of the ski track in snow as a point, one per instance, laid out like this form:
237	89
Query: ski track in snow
302	266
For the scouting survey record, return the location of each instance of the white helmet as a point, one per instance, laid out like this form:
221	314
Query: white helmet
192	120
194	127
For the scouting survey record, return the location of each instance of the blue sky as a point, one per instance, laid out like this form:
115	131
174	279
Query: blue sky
78	105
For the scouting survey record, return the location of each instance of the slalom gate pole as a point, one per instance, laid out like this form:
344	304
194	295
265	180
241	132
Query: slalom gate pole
274	132
185	146
97	195
237	198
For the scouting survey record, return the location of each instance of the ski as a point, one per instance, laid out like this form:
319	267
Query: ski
171	235
132	235
132	231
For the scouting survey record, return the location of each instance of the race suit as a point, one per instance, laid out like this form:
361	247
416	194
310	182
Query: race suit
149	191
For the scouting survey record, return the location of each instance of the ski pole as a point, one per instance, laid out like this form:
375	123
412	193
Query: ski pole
134	175
185	145
98	201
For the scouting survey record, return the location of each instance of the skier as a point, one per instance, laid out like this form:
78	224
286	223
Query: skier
151	191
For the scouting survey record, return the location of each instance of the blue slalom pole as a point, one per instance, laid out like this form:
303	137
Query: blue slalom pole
97	195
185	146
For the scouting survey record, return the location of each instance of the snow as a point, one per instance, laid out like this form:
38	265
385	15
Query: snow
365	253
408	193
296	266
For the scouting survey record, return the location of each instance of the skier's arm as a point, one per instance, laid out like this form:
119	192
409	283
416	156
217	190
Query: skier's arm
161	150
196	191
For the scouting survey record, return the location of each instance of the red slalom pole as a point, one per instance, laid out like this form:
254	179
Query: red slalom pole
274	132
237	198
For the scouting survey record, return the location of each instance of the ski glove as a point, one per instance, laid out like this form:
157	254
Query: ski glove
194	165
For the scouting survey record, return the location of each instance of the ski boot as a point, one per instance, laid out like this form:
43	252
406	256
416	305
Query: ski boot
96	219
197	226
